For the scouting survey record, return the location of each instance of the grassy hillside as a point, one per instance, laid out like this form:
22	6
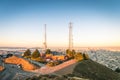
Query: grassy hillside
95	71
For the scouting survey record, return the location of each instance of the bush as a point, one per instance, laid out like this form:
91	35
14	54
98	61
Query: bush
48	55
51	64
39	59
70	54
56	63
117	70
78	56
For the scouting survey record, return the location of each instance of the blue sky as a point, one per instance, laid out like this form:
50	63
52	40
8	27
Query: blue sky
95	22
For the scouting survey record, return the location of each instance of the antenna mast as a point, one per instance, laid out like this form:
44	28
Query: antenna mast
45	43
70	37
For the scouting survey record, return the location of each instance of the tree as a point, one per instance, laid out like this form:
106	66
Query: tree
35	54
27	53
67	51
73	52
117	70
85	56
70	54
48	51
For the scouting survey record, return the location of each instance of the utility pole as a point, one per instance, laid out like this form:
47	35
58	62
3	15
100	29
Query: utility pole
70	37
45	43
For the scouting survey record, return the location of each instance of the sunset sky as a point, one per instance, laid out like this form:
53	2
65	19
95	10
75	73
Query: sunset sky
96	23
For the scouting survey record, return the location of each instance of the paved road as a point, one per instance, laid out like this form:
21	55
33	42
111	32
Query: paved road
12	72
36	63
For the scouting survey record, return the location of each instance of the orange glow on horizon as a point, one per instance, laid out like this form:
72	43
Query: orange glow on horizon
52	44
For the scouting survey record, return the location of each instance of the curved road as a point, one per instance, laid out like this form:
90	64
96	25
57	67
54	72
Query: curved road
12	72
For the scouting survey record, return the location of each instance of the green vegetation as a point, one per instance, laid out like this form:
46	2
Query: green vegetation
78	56
94	71
27	53
38	59
35	54
73	52
70	54
51	64
85	56
117	70
48	51
48	77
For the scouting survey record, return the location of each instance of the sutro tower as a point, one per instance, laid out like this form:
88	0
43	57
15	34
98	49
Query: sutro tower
70	37
45	43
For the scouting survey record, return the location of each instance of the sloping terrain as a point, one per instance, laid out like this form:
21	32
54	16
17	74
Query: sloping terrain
24	63
66	70
110	59
90	70
95	71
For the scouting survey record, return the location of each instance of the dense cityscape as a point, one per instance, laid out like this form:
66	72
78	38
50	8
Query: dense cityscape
59	40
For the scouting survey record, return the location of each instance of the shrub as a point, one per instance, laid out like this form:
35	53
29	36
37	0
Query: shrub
51	64
70	54
56	63
48	55
78	56
117	70
39	59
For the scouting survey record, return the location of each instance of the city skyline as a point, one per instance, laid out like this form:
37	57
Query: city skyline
95	23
